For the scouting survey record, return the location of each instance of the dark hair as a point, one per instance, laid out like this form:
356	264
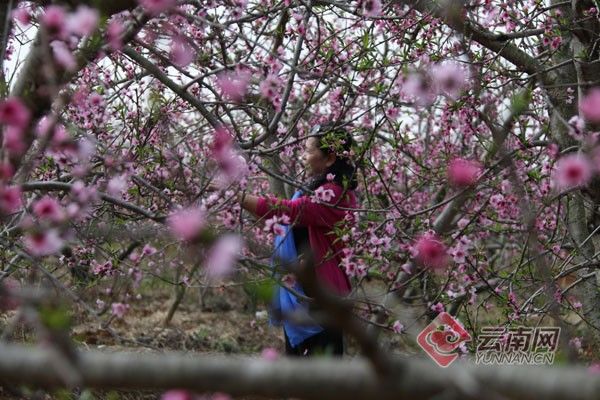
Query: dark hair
336	140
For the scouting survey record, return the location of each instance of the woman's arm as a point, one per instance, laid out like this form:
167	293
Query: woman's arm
248	202
303	210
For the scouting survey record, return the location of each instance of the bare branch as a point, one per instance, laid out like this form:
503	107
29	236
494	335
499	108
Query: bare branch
179	91
109	199
309	379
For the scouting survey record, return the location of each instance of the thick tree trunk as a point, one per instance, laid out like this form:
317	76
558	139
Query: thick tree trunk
324	378
5	28
575	45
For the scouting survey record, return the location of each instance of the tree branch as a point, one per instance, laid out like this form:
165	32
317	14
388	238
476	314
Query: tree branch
178	90
308	379
452	16
50	185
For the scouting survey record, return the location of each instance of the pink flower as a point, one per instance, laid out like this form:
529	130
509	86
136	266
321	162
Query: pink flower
269	354
156	7
231	165
323	195
570	96
119	309
10	199
22	16
576	127
48	208
45	243
55	23
233	85
330	177
393	112
83	21
44	125
135	256
114	33
76	212
278	230
463	172
419	89
13	140
350	269
361	270
63	55
459	254
553	150
372	8
14	113
187	224
223	255
398	327
438	307
83	194
407	268
589	106
117	185
573	170
270	88
104	269
233	168
148	250
61	138
95	100
449	78
431	252
289	280
462	223
222	142
182	53
272	225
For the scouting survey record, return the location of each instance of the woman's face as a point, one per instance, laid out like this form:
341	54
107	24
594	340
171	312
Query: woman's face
315	161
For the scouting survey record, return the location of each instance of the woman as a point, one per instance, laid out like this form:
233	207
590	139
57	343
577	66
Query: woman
332	177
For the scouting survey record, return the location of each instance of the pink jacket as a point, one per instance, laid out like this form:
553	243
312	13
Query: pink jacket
319	219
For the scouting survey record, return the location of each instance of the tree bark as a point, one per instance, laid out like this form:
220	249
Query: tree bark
560	111
5	28
324	378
